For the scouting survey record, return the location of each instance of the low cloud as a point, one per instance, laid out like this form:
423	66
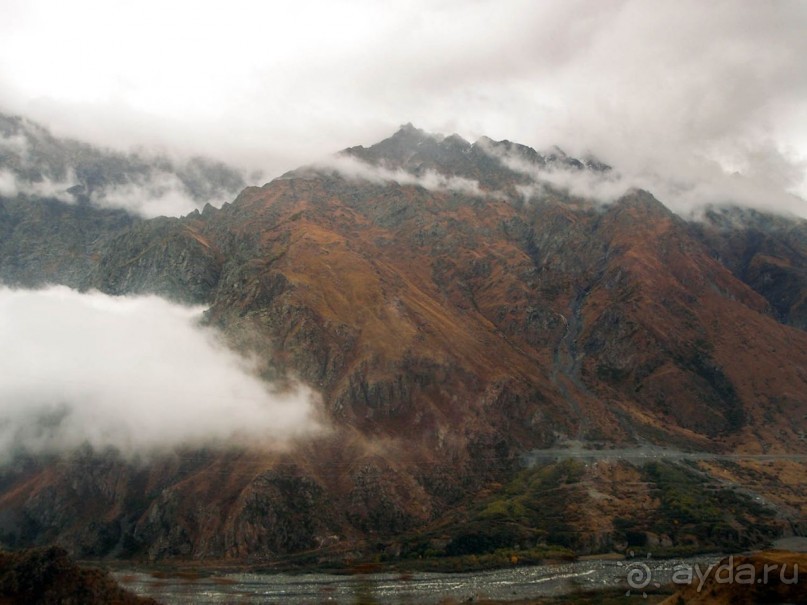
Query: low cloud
158	194
697	186
354	168
11	185
8	184
135	373
34	163
161	194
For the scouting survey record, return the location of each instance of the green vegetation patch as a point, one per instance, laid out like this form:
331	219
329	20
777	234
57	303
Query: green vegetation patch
525	522
696	510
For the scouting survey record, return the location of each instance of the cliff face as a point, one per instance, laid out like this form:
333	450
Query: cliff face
450	331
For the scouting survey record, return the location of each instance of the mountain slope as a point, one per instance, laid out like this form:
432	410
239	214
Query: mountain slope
769	253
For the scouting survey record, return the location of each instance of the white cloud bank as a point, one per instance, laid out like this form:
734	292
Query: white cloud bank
158	194
356	169
11	186
149	192
135	373
161	194
701	186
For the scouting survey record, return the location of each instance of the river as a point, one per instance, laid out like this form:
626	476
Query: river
410	589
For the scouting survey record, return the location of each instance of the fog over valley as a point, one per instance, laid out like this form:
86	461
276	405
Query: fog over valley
138	374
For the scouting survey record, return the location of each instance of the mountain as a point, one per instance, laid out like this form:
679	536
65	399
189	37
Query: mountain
36	164
79	198
503	364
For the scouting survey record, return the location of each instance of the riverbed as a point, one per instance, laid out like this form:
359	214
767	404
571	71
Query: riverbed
410	589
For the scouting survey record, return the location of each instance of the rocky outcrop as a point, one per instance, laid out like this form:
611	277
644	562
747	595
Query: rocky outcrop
48	576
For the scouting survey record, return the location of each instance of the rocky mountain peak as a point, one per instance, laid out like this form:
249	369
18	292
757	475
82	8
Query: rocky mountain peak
494	165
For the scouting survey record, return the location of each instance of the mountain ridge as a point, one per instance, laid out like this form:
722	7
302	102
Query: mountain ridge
34	162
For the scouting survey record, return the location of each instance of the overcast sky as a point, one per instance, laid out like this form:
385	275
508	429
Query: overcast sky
687	92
